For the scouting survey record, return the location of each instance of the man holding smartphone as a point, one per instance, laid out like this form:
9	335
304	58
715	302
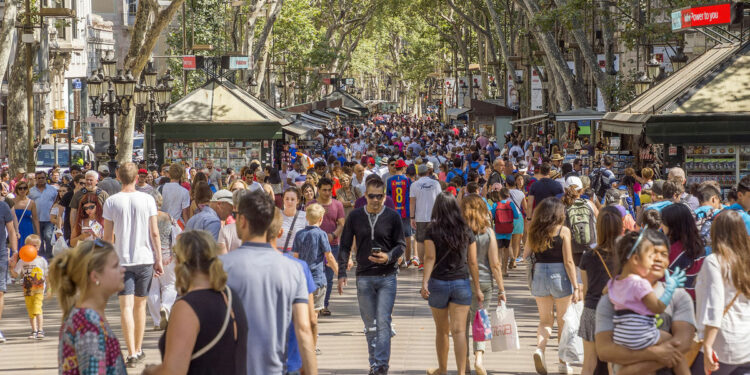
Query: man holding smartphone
380	242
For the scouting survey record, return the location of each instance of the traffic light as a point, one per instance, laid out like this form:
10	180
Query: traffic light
58	121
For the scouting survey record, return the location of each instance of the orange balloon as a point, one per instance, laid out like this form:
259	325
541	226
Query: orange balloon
27	253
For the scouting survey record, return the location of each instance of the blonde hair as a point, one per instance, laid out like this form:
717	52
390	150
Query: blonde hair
69	271
127	173
33	240
314	213
475	213
273	231
196	251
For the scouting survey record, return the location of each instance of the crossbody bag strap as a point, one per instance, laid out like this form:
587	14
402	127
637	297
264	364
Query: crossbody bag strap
230	312
603	263
729	306
25	208
291	229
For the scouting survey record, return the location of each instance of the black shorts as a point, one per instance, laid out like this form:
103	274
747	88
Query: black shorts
137	280
503	243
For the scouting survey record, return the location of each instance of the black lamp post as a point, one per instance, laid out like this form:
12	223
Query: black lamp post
152	98
115	100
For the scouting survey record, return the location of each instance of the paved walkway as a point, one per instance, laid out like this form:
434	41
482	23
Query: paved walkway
341	338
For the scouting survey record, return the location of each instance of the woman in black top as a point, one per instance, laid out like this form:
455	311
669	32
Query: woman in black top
208	323
596	266
554	274
450	256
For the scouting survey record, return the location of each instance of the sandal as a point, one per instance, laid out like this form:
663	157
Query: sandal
325	312
39	335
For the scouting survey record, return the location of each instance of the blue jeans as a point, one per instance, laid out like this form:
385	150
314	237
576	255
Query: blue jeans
376	296
48	230
330	275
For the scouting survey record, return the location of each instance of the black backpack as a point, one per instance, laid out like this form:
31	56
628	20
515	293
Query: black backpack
597	183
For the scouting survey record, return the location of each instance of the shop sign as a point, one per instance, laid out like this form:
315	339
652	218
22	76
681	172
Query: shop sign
188	63
672	150
708	15
239	62
536	89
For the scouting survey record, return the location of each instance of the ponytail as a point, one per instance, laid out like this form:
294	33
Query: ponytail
196	251
69	271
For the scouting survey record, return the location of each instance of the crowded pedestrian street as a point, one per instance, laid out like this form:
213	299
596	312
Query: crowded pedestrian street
342	344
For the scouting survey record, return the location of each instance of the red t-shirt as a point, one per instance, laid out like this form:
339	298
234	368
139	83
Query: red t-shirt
334	212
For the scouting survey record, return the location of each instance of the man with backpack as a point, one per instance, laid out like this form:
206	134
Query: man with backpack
504	214
580	218
456	171
602	178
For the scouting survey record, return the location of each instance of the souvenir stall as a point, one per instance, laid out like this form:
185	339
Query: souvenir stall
220	122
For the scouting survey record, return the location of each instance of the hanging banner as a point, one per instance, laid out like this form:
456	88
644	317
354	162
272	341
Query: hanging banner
536	89
708	15
602	65
513	98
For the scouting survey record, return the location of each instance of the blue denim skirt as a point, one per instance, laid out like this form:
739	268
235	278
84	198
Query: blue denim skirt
443	292
550	279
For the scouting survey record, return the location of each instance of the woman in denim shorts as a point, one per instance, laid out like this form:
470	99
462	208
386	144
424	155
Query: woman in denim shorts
450	256
554	274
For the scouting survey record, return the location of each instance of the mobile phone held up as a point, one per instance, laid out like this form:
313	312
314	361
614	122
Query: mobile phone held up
376	250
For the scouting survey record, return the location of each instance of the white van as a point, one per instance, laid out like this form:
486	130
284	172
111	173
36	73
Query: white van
45	155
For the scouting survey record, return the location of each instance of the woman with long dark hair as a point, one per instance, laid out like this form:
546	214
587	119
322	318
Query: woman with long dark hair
450	256
723	290
596	269
89	223
553	280
687	250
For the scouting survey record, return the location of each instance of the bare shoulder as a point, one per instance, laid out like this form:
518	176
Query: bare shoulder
565	232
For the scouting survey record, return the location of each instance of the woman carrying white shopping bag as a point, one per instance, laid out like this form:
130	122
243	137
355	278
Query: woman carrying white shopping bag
476	214
553	282
445	283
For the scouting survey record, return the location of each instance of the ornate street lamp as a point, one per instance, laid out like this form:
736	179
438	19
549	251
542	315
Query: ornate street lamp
114	100
152	99
642	83
653	68
679	60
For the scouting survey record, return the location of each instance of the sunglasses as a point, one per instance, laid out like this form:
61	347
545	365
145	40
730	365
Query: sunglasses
376	196
21	188
89	207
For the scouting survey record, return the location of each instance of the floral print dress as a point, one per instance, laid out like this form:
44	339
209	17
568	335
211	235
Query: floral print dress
88	346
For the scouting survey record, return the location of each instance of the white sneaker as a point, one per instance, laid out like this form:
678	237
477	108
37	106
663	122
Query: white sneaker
539	364
564	368
2	338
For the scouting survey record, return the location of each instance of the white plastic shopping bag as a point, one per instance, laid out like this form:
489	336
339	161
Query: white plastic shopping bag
60	246
571	345
504	329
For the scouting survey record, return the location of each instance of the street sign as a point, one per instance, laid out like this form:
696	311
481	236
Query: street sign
101	134
349	82
77	84
57	131
188	63
701	16
239	62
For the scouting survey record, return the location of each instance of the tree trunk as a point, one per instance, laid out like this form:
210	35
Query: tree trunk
261	47
504	50
7	34
18	129
142	44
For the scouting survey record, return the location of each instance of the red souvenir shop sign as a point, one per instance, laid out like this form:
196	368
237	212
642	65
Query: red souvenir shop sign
708	15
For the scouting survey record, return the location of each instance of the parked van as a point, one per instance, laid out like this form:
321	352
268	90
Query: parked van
45	155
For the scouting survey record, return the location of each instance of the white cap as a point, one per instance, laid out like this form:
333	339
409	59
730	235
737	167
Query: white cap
574	180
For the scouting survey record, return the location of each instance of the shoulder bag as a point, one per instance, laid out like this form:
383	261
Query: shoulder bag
289	234
230	313
697	345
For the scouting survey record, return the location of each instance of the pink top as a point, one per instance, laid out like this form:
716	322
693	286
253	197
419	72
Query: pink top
628	293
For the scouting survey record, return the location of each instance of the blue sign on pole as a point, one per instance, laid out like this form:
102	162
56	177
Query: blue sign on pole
77	85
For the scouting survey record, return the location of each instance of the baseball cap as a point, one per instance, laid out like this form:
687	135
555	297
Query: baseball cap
400	164
105	168
142	171
574	180
370	161
222	195
523	166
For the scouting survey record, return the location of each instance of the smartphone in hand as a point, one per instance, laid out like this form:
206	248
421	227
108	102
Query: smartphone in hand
376	250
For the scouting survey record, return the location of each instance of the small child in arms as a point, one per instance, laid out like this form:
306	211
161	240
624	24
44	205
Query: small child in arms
633	297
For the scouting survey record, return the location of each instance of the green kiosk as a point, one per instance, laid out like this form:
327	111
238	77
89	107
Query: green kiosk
221	122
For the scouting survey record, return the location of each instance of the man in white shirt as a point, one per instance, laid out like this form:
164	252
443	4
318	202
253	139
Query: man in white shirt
175	198
130	218
422	195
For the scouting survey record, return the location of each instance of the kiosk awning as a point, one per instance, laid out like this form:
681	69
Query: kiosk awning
579	114
455	112
530	120
714	128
